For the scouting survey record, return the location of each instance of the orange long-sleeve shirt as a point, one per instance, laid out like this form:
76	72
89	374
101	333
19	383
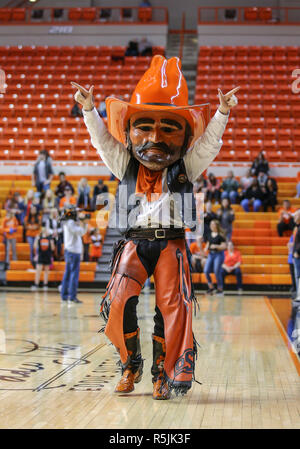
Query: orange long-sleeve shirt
9	223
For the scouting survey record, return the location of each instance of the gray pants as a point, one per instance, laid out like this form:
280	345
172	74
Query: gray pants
12	243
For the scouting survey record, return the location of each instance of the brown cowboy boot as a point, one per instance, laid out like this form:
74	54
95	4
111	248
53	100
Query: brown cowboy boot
160	385
132	373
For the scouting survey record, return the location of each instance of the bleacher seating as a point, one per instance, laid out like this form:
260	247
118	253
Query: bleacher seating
268	114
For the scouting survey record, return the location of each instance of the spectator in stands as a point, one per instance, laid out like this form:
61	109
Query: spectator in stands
28	201
230	188
42	172
270	192
60	189
199	256
15	205
213	188
262	179
86	240
296	252
290	246
260	164
232	265
48	203
67	199
96	246
76	111
102	108
286	220
298	190
215	246
200	185
99	188
10	227
84	201
252	197
246	181
32	226
54	229
208	217
132	49
44	249
226	217
145	47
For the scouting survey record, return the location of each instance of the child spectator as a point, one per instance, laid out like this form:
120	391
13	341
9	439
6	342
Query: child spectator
96	247
10	227
215	246
213	188
68	199
253	196
226	217
230	188
286	220
32	227
232	265
199	256
44	247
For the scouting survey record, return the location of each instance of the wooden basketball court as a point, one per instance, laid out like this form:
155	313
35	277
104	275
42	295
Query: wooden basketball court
56	371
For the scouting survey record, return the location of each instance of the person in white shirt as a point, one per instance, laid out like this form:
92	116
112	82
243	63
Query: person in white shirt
157	146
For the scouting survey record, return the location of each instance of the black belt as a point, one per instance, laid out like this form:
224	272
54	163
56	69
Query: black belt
155	234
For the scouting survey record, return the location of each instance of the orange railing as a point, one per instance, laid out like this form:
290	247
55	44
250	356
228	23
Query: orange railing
96	16
243	15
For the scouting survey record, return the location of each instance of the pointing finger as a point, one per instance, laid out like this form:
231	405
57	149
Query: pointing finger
82	89
231	92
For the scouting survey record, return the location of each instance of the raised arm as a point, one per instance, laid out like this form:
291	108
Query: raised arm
113	153
206	148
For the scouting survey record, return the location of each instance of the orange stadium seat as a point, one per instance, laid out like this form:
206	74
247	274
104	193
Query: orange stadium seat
145	14
5	14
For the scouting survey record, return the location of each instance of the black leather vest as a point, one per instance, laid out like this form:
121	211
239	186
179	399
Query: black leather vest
127	203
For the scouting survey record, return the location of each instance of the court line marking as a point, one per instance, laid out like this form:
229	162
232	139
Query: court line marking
284	335
64	371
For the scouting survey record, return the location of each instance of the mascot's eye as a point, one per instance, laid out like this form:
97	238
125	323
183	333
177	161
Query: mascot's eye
145	128
167	130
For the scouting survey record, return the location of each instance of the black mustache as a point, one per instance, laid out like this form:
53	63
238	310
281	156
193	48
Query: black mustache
160	145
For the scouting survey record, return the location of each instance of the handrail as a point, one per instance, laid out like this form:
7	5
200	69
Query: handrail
159	15
279	15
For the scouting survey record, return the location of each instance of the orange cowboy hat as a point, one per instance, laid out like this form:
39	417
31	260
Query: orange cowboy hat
161	88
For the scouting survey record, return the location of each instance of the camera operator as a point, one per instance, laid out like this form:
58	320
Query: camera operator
74	227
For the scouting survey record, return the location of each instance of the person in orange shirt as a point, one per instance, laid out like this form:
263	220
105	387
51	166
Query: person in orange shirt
96	251
10	226
199	256
68	199
286	220
32	226
86	240
232	265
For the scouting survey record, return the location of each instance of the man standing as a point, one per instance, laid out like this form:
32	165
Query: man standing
73	231
147	149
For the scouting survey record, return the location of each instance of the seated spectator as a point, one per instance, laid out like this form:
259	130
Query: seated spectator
32	227
298	190
76	110
262	179
260	164
208	216
86	240
132	49
232	265
28	201
199	256
246	181
44	249
16	206
145	47
200	185
48	204
216	244
226	217
60	189
10	227
213	188
252	197
42	172
84	201
290	246
98	189
286	220
230	188
270	192
96	244
67	199
54	229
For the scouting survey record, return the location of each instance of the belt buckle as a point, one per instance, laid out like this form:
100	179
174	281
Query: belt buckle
158	236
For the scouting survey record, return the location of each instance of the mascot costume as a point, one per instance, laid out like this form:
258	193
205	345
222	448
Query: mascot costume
157	146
